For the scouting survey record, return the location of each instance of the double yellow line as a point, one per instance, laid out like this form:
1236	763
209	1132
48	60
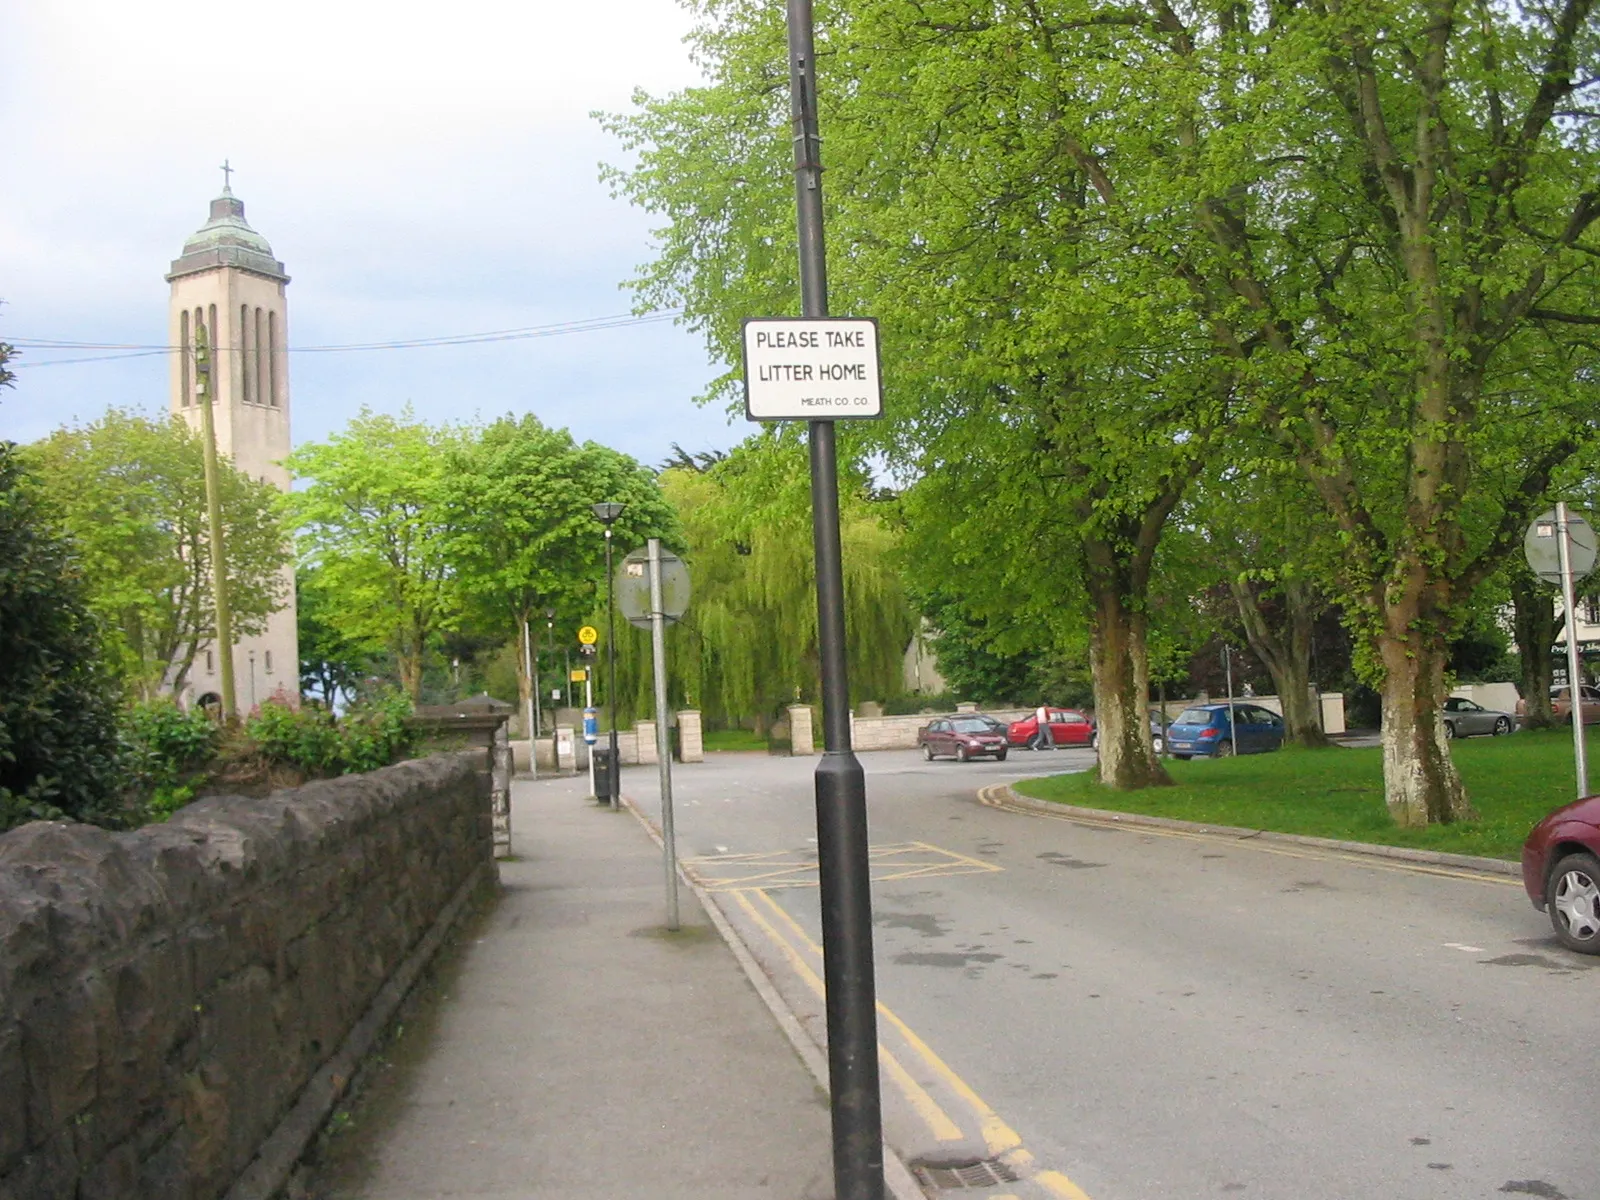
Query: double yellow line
1000	1140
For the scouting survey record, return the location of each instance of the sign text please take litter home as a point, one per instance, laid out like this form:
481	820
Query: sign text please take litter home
811	369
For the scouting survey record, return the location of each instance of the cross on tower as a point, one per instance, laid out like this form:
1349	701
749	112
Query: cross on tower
227	176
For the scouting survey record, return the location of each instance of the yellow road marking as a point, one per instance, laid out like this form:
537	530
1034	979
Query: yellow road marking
994	797
937	1120
997	1135
1060	1185
787	868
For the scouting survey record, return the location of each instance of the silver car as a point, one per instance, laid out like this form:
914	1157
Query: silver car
1464	718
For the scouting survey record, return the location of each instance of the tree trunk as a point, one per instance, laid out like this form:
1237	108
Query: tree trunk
1420	782
1121	692
1534	622
1286	652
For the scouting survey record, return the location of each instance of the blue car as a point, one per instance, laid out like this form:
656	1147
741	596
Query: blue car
1202	731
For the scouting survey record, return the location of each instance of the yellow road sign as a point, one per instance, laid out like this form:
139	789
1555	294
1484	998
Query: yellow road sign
588	635
579	676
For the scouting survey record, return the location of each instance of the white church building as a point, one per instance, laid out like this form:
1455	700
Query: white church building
227	279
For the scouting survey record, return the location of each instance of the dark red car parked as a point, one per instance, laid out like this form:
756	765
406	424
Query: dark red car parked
1561	870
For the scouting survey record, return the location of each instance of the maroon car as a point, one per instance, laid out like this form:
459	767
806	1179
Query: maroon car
1561	870
962	738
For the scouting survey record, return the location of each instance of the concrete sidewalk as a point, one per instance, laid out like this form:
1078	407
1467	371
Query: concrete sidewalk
575	1049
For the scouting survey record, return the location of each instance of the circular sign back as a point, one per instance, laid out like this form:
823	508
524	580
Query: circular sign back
1543	550
633	587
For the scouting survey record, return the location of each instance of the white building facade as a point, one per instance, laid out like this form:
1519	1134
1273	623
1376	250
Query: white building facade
227	279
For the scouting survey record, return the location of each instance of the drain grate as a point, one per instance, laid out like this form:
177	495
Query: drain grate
973	1173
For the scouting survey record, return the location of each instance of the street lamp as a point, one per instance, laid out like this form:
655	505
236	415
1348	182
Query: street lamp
606	513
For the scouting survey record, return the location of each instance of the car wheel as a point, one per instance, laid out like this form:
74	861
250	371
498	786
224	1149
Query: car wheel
1449	731
1094	740
1502	726
1000	756
1225	749
927	752
1573	899
961	754
1158	743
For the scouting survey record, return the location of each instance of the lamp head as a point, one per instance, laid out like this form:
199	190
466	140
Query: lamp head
607	511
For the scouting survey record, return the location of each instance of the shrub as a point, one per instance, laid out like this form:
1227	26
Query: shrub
372	734
60	754
169	752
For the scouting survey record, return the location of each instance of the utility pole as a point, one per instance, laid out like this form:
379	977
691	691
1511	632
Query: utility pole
844	875
219	571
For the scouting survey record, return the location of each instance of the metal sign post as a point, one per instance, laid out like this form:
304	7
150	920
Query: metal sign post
1570	557
653	588
1580	756
821	370
658	651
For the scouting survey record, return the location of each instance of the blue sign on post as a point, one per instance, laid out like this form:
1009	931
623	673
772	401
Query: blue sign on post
591	725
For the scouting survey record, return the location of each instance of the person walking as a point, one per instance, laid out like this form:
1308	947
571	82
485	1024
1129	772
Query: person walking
1042	739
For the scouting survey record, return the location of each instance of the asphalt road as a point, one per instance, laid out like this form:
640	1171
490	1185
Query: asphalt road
1125	1014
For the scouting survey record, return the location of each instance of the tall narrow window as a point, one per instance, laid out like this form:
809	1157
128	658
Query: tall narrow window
211	662
244	353
272	359
268	656
261	371
199	323
185	394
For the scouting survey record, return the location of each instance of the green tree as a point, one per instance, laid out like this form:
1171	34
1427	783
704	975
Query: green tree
1364	226
1022	326
523	537
130	492
333	665
375	526
59	749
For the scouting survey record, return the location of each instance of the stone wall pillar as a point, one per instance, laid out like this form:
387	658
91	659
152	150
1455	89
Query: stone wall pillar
800	740
566	748
691	743
645	734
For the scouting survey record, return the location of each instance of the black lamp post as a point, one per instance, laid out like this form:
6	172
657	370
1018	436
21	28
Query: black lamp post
607	512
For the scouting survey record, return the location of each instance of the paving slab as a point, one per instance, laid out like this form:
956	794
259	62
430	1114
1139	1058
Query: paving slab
576	1049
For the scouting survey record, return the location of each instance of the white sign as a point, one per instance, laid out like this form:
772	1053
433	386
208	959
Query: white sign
811	369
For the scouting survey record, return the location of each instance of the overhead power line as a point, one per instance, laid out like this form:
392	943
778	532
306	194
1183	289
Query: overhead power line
137	350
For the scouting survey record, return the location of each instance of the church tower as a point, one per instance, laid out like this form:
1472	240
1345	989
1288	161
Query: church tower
227	279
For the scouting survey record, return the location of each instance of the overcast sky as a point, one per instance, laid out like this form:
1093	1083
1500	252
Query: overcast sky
420	169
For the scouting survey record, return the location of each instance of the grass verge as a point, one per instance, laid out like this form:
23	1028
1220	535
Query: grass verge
1338	793
735	739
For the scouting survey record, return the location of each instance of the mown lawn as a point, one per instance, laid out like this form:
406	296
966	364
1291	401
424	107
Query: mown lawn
734	739
1338	793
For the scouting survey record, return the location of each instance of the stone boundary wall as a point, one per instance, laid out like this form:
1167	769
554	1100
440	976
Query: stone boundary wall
171	997
900	733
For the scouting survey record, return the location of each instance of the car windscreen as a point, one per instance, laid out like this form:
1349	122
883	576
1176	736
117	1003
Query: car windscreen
972	725
1194	716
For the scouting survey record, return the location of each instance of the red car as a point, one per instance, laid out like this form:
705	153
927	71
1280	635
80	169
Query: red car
1068	727
962	738
1561	870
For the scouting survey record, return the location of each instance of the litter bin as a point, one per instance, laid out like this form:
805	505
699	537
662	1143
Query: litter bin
605	776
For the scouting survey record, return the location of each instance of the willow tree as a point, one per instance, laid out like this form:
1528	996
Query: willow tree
748	645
